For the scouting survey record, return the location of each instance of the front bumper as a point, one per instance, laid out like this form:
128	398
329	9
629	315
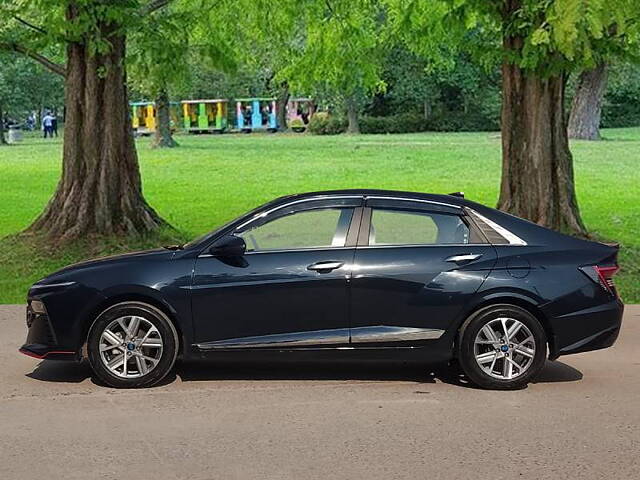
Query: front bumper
586	330
41	339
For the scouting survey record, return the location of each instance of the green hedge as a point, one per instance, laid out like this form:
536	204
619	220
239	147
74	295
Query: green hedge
401	123
321	124
405	123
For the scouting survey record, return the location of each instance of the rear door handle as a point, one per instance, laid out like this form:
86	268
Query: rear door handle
464	258
325	267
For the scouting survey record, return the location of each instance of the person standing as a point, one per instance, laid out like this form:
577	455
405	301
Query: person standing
54	125
47	125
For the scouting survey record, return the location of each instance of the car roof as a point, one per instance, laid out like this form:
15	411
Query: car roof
452	199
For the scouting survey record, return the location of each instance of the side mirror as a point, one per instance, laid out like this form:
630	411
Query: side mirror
229	246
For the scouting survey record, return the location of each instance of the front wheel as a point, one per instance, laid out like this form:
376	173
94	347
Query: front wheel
502	347
132	344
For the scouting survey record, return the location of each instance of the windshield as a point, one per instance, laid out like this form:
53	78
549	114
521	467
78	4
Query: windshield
203	238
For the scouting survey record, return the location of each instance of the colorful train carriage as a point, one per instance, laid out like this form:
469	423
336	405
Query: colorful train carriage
201	116
144	117
299	112
256	114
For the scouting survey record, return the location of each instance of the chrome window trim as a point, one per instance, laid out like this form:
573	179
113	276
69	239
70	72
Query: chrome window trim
429	245
511	237
417	200
295	202
289	250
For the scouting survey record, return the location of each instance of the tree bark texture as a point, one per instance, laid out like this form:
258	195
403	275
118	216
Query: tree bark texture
3	141
163	137
586	108
281	105
100	192
537	166
353	125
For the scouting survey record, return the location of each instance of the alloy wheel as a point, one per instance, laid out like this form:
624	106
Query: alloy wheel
130	346
504	348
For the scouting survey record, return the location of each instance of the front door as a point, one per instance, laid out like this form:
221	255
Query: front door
416	265
290	288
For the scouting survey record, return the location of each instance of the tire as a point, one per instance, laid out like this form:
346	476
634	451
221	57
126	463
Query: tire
133	364
479	345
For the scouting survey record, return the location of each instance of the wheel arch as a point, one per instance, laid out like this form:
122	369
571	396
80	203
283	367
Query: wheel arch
522	301
112	300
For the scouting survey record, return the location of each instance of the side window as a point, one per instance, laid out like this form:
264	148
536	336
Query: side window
408	227
318	228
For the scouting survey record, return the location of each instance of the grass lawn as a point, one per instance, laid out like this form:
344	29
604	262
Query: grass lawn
211	179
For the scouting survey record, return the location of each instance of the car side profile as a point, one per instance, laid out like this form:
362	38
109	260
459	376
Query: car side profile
338	274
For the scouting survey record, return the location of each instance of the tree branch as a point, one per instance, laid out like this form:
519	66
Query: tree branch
154	5
41	59
30	25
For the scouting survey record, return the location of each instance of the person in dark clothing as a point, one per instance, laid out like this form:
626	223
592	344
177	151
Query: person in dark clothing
54	125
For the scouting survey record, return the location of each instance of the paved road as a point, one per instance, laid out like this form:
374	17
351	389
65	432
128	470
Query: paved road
580	420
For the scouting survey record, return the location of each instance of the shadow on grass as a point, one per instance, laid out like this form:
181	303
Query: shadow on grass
63	372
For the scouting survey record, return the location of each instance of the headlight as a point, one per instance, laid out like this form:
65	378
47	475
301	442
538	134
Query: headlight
38	307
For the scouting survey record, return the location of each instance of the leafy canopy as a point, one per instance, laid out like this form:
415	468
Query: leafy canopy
551	36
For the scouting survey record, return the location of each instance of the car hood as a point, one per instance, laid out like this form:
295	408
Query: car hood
67	271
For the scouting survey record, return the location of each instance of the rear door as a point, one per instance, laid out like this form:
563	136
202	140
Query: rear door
416	265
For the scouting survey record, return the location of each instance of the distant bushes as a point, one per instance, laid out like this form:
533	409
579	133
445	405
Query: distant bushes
624	114
323	124
400	123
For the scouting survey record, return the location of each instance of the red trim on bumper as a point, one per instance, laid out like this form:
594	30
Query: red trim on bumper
29	353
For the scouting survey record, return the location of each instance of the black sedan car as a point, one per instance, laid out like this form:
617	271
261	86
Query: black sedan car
338	274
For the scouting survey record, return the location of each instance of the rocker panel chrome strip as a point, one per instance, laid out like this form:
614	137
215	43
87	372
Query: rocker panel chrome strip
338	336
294	339
382	333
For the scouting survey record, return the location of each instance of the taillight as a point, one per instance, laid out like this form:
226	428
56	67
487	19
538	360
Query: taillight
603	276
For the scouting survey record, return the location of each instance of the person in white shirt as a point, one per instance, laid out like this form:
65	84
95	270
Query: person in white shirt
47	125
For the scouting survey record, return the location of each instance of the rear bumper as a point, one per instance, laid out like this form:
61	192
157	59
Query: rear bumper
586	330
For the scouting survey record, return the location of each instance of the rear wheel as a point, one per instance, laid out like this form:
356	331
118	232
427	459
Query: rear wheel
132	344
502	347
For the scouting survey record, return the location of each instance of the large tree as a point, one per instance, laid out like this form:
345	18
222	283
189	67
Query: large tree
100	191
586	106
541	43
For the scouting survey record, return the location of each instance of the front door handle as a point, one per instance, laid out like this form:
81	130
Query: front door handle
464	258
324	267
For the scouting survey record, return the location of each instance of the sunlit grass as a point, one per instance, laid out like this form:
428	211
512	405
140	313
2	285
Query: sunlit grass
211	179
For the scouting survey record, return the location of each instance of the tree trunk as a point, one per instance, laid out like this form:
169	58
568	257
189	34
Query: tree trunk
353	126
163	137
586	108
3	141
100	192
426	109
537	166
281	105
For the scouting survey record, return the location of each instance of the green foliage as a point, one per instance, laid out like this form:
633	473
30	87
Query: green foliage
555	36
327	125
26	87
400	123
297	125
621	107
